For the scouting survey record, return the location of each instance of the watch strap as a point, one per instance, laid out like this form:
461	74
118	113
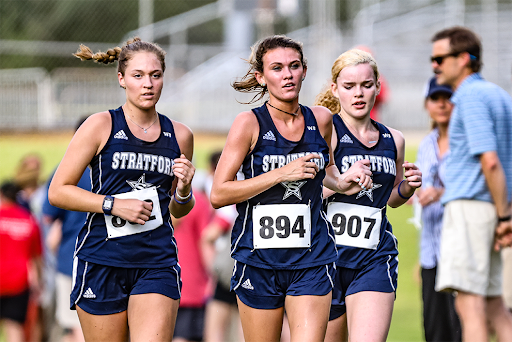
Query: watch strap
108	203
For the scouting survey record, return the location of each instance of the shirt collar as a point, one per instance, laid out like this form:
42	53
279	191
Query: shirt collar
465	83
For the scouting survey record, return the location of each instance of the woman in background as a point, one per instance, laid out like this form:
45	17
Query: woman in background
440	320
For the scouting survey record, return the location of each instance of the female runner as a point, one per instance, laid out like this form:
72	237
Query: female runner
126	275
282	244
367	264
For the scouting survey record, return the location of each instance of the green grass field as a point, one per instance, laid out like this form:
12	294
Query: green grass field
406	323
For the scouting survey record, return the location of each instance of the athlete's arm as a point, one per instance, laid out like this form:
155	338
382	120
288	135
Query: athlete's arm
405	169
496	182
88	141
242	138
183	170
356	176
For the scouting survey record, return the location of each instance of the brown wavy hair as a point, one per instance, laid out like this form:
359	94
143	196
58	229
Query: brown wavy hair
248	83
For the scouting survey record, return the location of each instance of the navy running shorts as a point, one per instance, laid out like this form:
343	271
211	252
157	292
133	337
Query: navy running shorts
105	290
380	275
262	288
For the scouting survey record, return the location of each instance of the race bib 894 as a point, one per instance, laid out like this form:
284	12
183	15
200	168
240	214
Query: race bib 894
281	226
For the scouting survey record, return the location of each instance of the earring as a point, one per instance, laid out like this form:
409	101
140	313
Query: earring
303	78
122	87
263	85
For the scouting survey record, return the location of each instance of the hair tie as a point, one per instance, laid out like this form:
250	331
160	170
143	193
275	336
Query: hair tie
180	199
400	194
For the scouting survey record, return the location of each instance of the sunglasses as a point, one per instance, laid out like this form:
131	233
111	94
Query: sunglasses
439	59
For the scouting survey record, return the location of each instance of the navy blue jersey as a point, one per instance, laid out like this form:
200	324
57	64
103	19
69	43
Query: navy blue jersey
128	167
290	230
359	221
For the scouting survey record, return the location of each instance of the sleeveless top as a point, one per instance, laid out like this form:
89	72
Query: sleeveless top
361	227
132	168
284	227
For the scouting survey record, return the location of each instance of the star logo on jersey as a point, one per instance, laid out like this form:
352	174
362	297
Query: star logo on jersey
140	183
368	192
293	188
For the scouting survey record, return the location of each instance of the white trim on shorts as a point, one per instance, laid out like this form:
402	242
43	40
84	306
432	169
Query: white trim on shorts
83	281
241	277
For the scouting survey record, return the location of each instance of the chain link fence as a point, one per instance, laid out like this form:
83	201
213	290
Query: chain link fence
42	86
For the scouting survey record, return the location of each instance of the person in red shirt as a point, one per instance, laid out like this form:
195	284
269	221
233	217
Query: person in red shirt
20	261
197	285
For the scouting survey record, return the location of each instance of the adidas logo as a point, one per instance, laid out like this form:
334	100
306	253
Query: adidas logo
89	294
346	139
120	135
269	136
386	135
167	134
247	285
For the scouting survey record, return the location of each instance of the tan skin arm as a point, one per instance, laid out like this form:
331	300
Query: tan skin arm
87	142
183	170
210	234
241	140
429	195
496	182
412	174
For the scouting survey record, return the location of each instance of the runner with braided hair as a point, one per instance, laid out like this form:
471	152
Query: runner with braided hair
126	272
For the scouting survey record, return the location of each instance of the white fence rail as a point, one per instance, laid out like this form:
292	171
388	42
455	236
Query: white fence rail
203	99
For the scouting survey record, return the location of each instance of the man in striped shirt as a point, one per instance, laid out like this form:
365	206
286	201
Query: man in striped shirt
478	186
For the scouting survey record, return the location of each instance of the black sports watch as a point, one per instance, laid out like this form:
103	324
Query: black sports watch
504	218
108	203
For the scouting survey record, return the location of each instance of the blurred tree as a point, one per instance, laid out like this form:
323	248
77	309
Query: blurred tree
104	21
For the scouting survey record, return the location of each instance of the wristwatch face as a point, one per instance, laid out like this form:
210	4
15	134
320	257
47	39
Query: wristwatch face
107	203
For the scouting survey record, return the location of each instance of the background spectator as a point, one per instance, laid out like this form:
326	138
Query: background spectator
20	262
478	186
440	321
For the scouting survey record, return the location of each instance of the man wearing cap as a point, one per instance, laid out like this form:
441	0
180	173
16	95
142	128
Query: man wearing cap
440	321
478	187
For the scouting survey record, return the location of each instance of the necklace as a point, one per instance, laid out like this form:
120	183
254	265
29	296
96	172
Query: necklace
294	113
356	132
145	129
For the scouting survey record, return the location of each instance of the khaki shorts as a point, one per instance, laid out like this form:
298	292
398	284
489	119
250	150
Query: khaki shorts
468	261
66	317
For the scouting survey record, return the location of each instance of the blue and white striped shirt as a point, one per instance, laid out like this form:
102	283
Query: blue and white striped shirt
432	166
481	121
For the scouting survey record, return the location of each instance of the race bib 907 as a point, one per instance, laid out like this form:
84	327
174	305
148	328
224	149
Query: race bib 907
355	225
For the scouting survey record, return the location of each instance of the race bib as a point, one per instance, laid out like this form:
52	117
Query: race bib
281	226
355	225
118	227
